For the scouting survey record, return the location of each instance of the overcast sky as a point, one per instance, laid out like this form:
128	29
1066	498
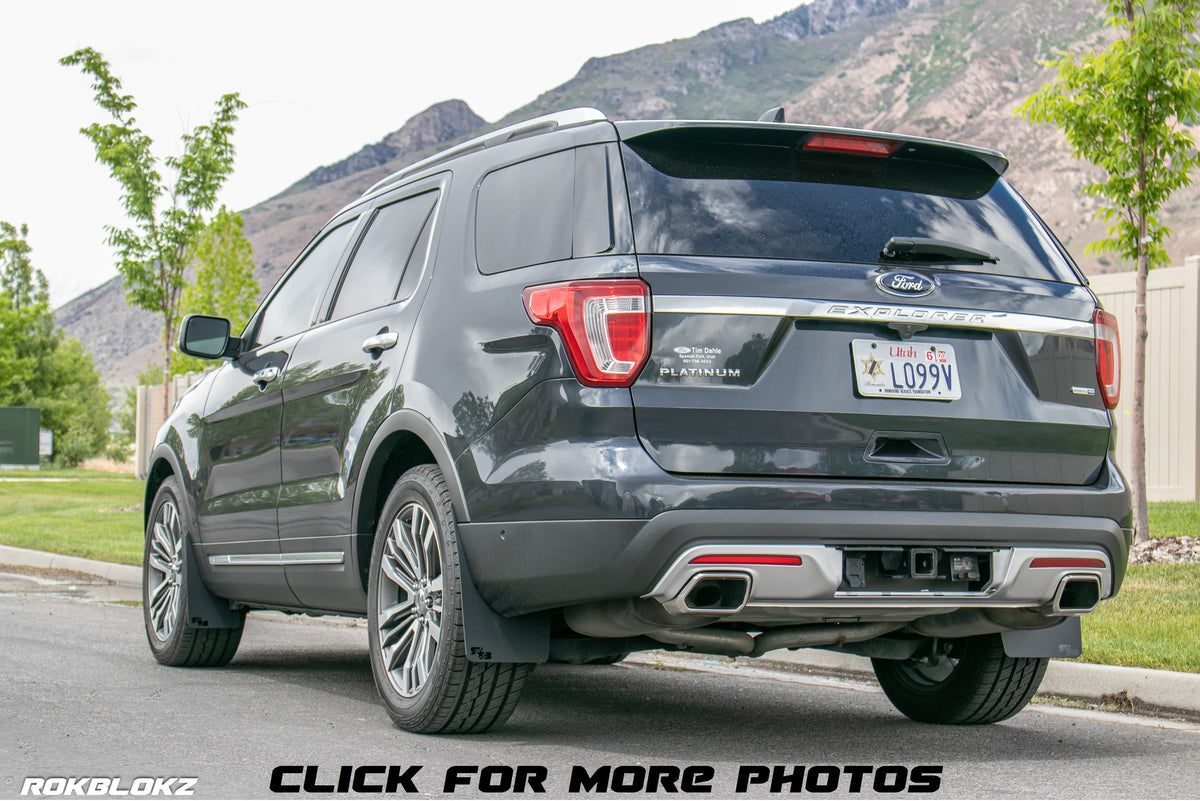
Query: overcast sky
321	80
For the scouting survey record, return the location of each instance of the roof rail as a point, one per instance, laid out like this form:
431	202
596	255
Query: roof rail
538	125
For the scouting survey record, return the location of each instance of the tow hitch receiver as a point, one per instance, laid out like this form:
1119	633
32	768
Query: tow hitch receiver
904	569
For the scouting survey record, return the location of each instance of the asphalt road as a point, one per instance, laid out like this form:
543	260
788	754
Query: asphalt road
80	695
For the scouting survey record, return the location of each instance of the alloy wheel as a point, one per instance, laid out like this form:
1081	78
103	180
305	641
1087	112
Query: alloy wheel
409	606
166	570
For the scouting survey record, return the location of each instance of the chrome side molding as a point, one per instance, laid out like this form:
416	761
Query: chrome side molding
277	559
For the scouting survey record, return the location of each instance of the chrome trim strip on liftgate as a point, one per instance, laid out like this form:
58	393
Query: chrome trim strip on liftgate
278	559
873	312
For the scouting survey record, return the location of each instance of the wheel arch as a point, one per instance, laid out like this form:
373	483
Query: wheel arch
163	465
404	440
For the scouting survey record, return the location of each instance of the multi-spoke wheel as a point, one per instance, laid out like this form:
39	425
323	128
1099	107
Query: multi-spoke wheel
164	563
173	639
415	618
409	602
973	682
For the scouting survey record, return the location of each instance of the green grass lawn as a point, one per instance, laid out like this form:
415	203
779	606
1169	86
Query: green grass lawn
1174	519
1152	623
76	517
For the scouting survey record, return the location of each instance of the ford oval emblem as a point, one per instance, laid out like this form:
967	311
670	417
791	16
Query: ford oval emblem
909	285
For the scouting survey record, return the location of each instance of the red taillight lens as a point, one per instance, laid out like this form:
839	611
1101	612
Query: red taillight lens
1108	357
858	145
604	324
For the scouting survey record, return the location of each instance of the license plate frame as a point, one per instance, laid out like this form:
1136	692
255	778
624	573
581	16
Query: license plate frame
906	370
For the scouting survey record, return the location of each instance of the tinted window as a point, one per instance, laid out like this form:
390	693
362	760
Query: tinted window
766	201
387	252
291	309
593	202
524	213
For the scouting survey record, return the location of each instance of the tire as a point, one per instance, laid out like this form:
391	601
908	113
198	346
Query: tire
976	682
415	623
164	591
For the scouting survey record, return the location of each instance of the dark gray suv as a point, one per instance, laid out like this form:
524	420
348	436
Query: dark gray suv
580	387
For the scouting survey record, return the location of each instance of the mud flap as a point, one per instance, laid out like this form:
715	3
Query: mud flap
1064	640
491	637
205	610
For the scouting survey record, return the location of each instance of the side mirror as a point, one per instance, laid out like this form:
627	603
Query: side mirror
205	337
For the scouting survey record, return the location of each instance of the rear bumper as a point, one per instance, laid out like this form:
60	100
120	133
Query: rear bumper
523	567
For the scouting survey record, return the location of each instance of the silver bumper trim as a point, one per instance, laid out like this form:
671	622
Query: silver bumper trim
813	584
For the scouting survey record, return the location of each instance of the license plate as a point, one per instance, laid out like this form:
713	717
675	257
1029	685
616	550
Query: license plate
905	370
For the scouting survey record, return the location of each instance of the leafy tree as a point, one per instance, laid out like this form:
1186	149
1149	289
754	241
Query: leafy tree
1124	109
166	218
224	284
41	367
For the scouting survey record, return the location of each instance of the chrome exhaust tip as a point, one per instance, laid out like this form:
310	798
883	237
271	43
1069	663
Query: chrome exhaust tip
1076	595
712	594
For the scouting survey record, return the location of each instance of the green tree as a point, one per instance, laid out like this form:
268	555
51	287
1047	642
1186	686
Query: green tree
41	367
224	284
166	218
1124	110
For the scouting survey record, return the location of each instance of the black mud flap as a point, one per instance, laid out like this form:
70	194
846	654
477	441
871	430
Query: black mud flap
205	610
1064	640
491	637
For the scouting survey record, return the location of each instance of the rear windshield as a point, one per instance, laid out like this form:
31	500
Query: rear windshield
769	199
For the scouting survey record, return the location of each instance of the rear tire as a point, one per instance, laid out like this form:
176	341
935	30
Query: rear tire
415	622
164	591
975	683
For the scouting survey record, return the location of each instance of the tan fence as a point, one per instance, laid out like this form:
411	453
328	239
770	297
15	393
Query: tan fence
150	416
1172	376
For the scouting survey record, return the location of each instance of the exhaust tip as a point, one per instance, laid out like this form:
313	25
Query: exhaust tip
723	594
1076	595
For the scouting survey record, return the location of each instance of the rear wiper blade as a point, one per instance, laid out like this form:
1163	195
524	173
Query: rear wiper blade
907	248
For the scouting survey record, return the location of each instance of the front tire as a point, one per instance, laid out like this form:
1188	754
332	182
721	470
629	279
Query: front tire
164	591
415	622
976	682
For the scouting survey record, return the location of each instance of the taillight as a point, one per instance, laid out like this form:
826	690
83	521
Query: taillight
858	145
1108	357
604	324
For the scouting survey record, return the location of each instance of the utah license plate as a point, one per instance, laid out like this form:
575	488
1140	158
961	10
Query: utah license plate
905	370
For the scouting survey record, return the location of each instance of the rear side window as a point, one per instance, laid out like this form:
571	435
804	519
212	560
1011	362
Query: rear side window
769	199
385	256
548	208
292	308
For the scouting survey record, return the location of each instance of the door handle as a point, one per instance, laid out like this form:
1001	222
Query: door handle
265	376
380	342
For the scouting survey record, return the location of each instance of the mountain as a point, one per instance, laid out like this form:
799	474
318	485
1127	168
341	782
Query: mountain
124	339
952	69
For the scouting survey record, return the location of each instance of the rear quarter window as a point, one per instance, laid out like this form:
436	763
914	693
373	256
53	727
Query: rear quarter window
549	208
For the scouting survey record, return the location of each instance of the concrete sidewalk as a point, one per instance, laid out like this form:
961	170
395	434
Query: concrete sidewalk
1135	689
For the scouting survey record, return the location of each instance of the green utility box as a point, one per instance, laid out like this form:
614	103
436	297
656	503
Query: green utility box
19	426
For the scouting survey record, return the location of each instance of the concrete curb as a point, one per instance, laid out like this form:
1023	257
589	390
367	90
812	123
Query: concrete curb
1143	687
121	574
1135	687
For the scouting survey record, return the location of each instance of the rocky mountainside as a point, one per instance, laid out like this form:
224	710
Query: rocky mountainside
953	69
